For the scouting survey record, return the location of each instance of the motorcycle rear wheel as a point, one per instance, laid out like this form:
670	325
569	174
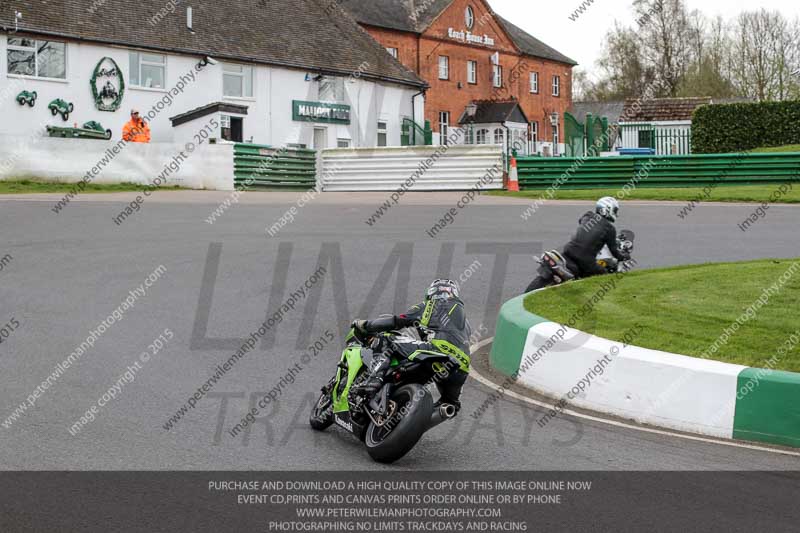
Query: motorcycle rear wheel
409	422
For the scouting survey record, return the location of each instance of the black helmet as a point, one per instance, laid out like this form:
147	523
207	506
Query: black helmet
442	289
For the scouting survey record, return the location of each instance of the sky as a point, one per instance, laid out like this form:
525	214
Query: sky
582	40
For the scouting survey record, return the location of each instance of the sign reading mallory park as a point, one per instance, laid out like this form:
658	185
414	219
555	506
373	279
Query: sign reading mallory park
320	112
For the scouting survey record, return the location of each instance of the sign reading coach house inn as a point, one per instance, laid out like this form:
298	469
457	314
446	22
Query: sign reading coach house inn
320	112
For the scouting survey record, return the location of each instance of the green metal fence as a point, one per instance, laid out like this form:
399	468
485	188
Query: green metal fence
266	166
412	134
658	171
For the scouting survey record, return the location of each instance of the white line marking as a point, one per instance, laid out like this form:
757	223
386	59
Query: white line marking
489	383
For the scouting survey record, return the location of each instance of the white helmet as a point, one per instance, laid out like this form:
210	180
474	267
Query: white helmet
607	207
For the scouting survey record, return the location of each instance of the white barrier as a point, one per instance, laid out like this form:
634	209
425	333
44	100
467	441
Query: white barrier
106	162
648	386
414	168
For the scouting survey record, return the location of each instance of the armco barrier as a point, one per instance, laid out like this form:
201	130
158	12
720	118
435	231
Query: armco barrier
266	166
109	162
416	168
659	171
647	386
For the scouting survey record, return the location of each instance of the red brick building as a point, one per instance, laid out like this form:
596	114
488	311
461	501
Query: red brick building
470	55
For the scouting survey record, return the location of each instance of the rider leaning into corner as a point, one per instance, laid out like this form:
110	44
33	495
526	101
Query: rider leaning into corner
444	329
596	229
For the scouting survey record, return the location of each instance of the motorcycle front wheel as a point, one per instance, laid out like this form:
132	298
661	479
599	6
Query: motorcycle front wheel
538	283
322	412
401	432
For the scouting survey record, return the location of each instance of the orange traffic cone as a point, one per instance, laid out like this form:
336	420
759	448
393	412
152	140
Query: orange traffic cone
513	176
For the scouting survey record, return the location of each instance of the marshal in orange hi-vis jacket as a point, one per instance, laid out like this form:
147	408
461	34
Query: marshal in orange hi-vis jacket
136	130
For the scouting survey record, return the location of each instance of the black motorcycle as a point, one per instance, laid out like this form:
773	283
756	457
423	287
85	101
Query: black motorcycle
555	269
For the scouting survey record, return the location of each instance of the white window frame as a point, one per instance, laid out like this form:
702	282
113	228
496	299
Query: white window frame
163	65
556	85
383	129
498	135
251	96
534	83
35	49
444	68
469	17
342	143
497	80
482	136
534	132
392	51
444	126
472	72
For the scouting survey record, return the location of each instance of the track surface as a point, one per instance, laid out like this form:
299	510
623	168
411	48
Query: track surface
70	270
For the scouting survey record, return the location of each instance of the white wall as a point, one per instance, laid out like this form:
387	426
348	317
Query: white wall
419	168
269	117
69	160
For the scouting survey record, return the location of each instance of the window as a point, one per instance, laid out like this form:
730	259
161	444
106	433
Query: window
472	72
148	70
535	132
342	143
498	75
556	139
556	86
534	82
444	68
331	89
469	17
480	136
237	81
444	126
646	139
43	59
382	133
392	51
469	137
498	136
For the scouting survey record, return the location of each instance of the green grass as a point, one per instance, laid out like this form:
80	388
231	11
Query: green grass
775	149
745	193
35	186
686	309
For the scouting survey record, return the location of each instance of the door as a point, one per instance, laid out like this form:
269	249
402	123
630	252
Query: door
320	138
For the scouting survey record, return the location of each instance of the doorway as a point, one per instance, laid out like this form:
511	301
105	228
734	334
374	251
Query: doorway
320	138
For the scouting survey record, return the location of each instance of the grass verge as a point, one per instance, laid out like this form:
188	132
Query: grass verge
686	310
745	193
33	186
777	149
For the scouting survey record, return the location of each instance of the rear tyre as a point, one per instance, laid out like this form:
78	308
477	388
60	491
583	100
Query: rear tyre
538	283
322	412
390	442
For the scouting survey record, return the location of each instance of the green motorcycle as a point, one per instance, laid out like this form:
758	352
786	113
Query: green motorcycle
392	420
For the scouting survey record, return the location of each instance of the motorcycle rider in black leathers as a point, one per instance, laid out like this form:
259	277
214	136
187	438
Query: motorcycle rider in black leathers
444	329
596	229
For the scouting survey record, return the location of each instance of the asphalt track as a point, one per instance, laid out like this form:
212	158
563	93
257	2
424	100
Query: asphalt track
70	270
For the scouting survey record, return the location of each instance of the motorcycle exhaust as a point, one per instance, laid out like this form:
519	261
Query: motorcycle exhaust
444	413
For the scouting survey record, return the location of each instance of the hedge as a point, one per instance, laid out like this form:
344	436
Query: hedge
728	128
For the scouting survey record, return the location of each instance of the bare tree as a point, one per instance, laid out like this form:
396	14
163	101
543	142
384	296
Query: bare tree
665	39
764	53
